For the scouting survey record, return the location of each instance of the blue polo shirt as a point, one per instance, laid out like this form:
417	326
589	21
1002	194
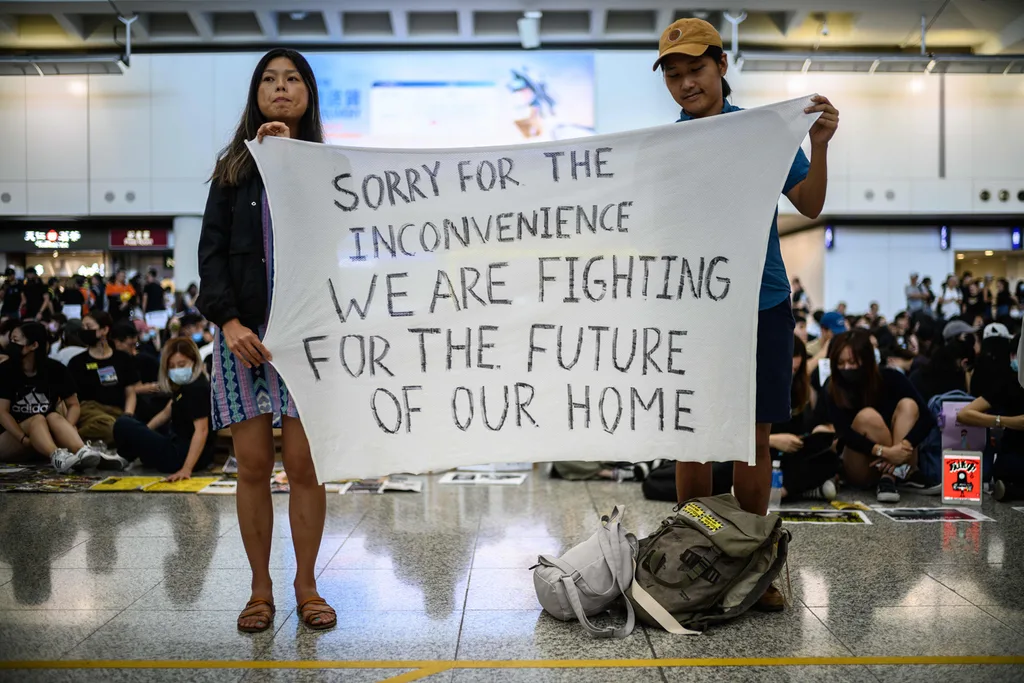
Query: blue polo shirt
774	281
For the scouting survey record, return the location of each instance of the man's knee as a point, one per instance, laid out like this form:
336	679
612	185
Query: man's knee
55	419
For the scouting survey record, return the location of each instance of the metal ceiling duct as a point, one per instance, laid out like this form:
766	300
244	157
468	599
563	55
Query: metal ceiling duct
70	63
867	63
62	64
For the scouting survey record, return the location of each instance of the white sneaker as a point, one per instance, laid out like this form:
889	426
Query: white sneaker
89	457
826	491
108	461
64	460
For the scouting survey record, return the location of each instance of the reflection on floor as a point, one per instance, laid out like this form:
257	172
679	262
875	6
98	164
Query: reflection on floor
442	577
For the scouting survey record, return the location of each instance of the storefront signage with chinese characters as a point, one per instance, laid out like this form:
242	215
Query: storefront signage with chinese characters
52	239
156	238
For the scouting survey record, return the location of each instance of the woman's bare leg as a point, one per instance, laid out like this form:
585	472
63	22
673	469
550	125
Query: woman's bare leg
307	506
903	420
254	450
856	465
64	433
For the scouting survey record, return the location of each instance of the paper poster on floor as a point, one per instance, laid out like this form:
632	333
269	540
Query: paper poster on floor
483	478
943	514
586	299
823	516
1019	509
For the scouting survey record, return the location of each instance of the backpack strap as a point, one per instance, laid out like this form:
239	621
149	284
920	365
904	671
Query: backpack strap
654	610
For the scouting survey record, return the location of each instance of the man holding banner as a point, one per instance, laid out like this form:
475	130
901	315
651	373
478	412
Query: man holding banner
694	67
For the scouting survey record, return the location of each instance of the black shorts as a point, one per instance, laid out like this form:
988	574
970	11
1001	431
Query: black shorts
774	363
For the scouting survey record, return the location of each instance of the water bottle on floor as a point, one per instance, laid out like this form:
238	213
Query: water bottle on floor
775	501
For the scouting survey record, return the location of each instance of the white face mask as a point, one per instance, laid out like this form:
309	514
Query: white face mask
878	357
1015	313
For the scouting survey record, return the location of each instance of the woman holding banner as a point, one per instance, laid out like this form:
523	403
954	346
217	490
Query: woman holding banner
248	396
694	66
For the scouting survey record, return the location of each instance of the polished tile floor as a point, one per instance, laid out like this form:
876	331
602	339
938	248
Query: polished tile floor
441	577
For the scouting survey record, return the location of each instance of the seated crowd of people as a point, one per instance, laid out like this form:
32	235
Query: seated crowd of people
879	386
87	383
866	392
106	389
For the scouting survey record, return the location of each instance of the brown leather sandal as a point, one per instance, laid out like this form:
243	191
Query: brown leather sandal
317	608
263	610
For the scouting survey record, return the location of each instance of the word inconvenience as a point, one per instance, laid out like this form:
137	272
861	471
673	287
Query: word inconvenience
590	299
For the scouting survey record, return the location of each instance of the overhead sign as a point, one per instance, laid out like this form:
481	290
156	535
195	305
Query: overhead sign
156	238
592	299
52	239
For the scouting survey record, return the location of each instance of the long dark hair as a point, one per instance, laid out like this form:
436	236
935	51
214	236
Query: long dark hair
36	333
234	163
800	394
862	395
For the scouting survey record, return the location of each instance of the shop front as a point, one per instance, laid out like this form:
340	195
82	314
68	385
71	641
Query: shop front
66	248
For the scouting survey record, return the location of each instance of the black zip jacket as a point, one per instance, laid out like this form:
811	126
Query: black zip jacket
232	262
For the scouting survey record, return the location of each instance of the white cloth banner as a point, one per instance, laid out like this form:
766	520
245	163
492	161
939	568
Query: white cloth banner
592	299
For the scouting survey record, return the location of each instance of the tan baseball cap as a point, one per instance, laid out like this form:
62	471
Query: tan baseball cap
688	37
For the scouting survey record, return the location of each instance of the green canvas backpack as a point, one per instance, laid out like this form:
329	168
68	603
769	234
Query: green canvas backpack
708	563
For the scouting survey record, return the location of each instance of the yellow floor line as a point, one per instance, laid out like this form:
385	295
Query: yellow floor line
507	664
416	675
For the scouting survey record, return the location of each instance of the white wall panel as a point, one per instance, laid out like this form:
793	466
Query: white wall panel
979	239
113	197
13	198
58	198
12	129
804	256
57	131
873	264
119	123
179	197
182	140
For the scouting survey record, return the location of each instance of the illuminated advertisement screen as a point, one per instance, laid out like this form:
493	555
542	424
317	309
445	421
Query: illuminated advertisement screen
454	99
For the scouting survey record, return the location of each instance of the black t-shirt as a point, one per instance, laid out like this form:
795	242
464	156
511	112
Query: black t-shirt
191	403
36	395
103	380
974	305
1004	299
155	297
12	296
34	293
1007	400
147	366
72	296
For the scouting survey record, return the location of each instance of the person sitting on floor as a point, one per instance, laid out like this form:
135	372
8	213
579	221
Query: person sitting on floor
948	370
877	414
190	446
992	367
106	378
1002	406
32	387
803	445
124	337
72	344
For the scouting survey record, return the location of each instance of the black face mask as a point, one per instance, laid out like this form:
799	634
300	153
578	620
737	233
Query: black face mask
852	377
15	350
90	337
